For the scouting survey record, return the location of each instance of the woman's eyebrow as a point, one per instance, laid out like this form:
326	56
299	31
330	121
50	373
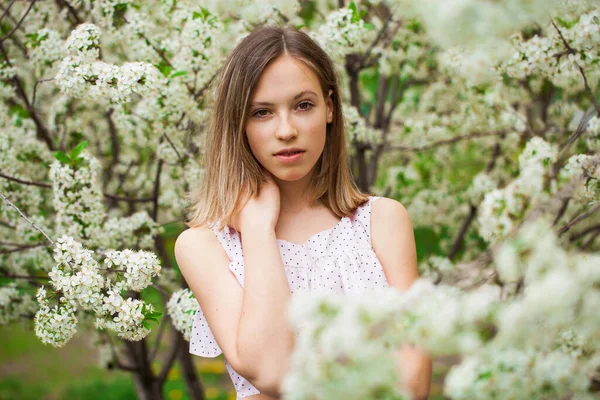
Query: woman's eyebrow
265	103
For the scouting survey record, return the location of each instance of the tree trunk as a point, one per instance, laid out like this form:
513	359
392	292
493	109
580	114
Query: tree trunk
146	383
188	370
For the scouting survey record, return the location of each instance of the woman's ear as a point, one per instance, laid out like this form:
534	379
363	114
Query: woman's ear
329	107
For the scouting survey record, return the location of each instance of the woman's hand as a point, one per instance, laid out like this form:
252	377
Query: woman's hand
260	210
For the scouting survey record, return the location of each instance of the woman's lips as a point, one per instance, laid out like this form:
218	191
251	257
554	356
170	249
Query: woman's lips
290	158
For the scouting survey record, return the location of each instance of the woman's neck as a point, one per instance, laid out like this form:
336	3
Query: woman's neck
296	196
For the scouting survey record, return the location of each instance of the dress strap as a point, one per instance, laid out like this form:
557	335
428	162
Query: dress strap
362	219
230	241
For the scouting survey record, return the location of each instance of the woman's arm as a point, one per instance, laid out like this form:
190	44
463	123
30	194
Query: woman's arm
393	241
253	337
265	338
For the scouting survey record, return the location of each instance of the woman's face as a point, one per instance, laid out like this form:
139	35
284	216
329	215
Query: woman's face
287	110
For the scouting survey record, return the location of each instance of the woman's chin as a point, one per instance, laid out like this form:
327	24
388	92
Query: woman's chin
288	176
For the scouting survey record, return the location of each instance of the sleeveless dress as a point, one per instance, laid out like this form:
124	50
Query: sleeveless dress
337	260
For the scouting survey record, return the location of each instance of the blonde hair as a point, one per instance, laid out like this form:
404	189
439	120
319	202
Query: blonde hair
230	168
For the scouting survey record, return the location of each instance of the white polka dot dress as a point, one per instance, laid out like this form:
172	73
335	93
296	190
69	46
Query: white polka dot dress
340	260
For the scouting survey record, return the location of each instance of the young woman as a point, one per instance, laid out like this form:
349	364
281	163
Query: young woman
278	212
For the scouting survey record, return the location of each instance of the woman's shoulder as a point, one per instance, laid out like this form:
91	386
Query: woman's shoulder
196	237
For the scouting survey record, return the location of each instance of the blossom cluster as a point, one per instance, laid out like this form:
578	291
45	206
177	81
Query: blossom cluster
78	198
493	333
344	32
356	129
15	305
82	75
77	279
181	308
140	267
502	208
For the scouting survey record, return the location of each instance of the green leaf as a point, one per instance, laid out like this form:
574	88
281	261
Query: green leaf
77	150
155	314
203	14
164	68
179	73
352	6
62	157
484	376
146	324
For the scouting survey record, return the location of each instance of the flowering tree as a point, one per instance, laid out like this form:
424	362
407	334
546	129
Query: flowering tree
481	117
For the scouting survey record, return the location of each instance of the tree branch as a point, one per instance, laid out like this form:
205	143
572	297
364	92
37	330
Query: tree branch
27	219
41	130
585	80
107	195
19	23
578	219
443	142
6	10
22	248
176	340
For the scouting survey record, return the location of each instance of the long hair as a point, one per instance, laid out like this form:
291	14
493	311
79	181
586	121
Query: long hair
230	168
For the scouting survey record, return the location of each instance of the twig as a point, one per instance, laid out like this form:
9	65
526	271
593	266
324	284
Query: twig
585	81
160	289
156	191
41	130
20	22
114	141
161	330
176	342
72	10
174	149
6	10
35	89
116	358
590	241
458	241
7	225
27	219
48	186
11	276
444	141
579	218
584	232
380	34
21	248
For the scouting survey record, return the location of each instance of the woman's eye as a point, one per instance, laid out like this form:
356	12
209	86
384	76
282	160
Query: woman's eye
309	105
304	106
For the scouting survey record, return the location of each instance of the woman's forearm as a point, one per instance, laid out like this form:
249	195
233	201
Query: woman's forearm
265	340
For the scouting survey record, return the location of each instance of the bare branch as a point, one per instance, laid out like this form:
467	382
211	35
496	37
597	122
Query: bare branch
6	10
443	142
585	80
22	248
578	219
176	340
19	23
72	10
174	149
584	232
41	130
118	363
35	89
27	277
109	196
156	191
27	219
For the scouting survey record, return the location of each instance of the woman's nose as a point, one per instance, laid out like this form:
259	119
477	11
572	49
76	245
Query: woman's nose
286	130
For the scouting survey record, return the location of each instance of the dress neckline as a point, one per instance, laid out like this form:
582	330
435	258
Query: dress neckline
325	232
310	239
